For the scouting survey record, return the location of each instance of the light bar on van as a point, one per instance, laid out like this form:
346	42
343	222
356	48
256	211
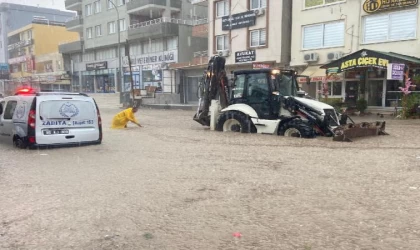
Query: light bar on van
23	91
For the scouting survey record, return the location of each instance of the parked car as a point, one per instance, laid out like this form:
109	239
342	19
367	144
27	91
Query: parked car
37	119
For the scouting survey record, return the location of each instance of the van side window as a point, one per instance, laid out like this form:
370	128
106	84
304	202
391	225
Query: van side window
10	110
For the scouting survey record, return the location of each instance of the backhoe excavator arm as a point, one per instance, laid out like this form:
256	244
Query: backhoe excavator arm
214	84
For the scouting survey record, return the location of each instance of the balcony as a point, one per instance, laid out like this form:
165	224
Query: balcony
161	27
200	2
144	7
70	47
75	24
75	5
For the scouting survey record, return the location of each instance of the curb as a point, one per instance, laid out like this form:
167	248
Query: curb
170	106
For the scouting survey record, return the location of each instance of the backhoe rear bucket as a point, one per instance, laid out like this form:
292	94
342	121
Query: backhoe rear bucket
350	131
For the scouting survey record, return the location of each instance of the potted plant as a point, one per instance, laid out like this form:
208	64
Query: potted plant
361	105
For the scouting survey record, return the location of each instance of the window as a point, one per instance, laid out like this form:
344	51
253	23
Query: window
89	33
97	6
59	66
238	90
88	9
88	56
390	27
111	27
334	88
103	54
171	43
258	4
121	2
258	38
324	35
23	67
48	66
222	8
98	30
110	4
10	110
29	34
122	24
316	3
222	42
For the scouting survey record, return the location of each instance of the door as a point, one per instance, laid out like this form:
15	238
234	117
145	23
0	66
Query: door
352	93
259	95
192	89
6	121
375	92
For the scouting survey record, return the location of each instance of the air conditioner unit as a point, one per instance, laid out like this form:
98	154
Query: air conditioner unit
311	57
224	53
334	55
260	12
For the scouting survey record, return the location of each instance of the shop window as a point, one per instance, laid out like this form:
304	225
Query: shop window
111	27
222	43
334	88
258	4
324	35
258	38
222	8
88	9
394	26
317	3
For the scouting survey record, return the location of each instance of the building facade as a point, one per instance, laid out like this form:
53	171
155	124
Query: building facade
34	58
325	31
13	17
158	33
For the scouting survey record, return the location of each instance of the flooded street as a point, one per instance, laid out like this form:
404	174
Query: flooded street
176	185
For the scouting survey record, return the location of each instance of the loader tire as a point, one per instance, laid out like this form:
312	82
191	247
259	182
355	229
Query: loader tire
297	128
234	121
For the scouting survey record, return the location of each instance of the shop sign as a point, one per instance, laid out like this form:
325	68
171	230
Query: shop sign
154	58
395	71
261	66
245	56
17	60
29	64
238	21
50	79
4	71
19	44
96	66
168	56
372	6
365	58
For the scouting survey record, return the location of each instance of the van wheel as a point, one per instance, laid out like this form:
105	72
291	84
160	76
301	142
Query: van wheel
19	143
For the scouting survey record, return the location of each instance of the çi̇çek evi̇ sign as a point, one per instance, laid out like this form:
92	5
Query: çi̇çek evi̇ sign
371	6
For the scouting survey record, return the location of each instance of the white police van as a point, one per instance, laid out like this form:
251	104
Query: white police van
38	119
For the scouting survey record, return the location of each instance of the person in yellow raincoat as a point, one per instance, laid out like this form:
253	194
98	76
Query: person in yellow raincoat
122	118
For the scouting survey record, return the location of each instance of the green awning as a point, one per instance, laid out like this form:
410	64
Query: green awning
368	58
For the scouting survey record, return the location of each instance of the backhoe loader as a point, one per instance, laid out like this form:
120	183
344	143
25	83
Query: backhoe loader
269	101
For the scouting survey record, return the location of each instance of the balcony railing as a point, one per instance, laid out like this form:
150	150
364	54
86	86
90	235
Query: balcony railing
135	5
161	20
74	22
70	46
73	4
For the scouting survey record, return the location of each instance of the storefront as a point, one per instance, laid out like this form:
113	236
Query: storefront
150	70
372	75
98	78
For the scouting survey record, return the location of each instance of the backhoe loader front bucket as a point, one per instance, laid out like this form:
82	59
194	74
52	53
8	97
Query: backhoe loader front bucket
349	131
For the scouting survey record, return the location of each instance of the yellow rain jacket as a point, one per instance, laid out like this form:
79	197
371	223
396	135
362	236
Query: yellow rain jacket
122	118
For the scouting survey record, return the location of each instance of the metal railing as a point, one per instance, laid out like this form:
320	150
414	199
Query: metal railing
159	21
67	42
74	18
201	21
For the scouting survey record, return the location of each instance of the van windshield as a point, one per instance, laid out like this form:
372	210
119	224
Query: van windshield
66	109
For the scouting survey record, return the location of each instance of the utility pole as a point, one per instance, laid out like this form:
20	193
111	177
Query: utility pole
119	73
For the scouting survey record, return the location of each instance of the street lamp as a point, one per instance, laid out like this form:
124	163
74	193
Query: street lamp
119	48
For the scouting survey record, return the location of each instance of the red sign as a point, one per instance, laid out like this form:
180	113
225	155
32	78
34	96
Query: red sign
29	64
261	66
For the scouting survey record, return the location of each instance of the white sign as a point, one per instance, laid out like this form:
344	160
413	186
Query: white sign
17	60
153	58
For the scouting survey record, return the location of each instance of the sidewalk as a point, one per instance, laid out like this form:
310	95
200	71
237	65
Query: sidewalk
187	107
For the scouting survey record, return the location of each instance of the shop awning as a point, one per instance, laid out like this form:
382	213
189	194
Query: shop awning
315	73
368	58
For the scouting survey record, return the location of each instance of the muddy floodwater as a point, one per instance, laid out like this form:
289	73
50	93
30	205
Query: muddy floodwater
176	185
